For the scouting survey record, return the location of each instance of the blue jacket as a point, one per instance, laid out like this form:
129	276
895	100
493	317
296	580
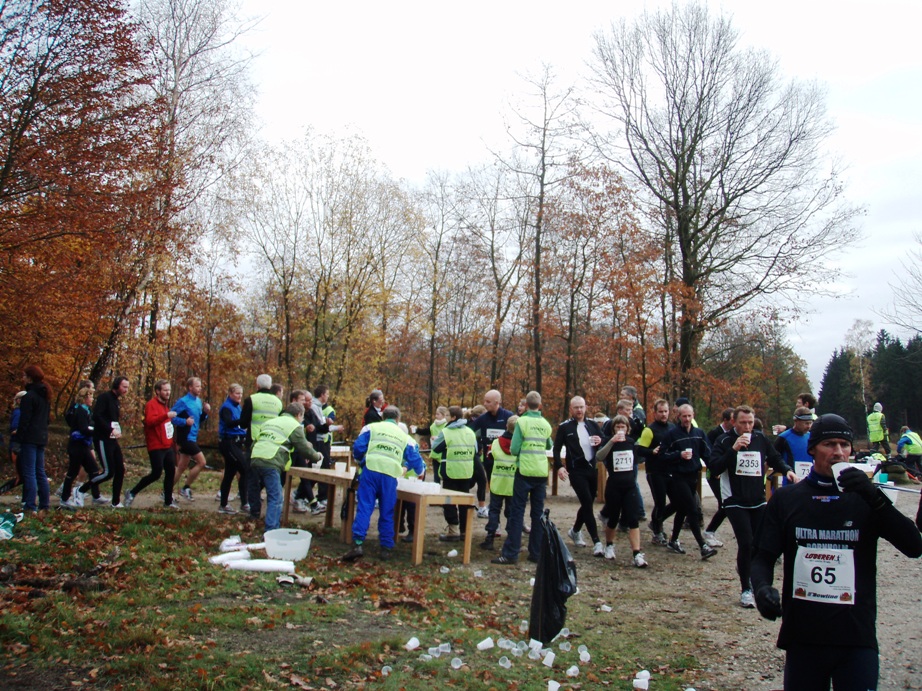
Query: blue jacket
186	407
229	420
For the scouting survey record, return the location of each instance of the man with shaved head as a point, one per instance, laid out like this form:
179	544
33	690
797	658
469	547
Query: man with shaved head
488	426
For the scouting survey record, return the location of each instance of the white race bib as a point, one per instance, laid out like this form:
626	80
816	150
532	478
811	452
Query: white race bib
168	427
494	433
116	430
825	575
802	468
622	461
749	463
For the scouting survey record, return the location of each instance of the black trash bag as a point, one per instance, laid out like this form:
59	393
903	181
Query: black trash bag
555	582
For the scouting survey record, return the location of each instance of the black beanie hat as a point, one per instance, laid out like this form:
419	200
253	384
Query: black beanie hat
829	426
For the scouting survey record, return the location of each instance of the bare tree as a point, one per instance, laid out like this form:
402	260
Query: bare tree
730	158
906	311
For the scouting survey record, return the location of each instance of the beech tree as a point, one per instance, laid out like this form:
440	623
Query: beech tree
729	158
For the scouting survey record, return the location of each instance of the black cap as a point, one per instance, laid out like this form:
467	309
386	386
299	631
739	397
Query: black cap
829	426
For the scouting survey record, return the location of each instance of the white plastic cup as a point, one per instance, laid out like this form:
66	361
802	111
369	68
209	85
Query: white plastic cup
385	670
605	608
445	647
444	569
478	574
564	632
453	553
517	652
582	649
521	645
642	674
425	657
548	660
505	662
485	644
565	646
837	469
534	654
535	645
523	627
456	663
532	582
434	652
747	437
553	685
412	644
584	656
642	684
573	671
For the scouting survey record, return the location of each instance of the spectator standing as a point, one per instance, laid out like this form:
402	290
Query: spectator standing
32	435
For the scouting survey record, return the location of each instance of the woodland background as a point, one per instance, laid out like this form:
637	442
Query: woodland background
655	230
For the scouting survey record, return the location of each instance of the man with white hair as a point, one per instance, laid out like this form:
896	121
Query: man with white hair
259	407
878	434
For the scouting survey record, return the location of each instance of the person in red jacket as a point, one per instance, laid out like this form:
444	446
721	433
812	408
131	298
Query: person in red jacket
158	436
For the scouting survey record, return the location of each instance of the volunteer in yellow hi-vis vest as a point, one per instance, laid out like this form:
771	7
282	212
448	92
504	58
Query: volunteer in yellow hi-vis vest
382	450
910	443
271	456
502	481
530	442
457	446
878	434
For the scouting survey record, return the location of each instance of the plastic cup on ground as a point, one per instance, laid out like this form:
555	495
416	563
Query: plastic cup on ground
521	645
548	660
412	644
456	663
535	645
642	674
534	654
585	657
523	627
573	671
444	569
505	662
478	574
642	684
485	644
605	608
435	652
445	647
553	685
425	657
517	652
582	649
565	646
385	670
532	582
564	633
453	553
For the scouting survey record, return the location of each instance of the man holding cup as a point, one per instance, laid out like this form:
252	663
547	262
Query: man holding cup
739	458
827	528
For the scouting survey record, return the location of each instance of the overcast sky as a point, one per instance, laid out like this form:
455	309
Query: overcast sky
428	83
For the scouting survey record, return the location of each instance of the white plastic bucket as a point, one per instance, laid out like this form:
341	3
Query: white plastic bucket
285	543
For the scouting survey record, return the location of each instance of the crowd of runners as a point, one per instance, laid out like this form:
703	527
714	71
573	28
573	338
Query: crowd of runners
823	521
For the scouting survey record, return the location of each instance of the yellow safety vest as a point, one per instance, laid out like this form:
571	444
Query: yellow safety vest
875	429
504	465
535	433
460	448
272	436
386	445
266	406
434	430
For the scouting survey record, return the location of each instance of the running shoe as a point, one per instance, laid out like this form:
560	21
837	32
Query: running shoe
577	537
77	498
712	540
660	539
639	561
245	508
609	551
707	551
675	546
483	512
318	509
129	497
747	599
229	510
186	493
598	550
101	501
353	554
174	505
300	506
502	560
120	505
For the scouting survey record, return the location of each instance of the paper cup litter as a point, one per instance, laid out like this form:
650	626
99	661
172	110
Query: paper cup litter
412	644
485	644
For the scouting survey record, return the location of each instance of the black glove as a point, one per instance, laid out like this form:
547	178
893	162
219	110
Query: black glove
768	600
854	480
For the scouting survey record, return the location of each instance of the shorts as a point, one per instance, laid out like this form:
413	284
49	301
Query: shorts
189	448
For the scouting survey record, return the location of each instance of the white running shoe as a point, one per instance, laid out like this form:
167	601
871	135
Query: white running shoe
300	506
483	512
174	505
639	561
101	501
747	599
186	493
712	540
129	497
609	551
77	498
229	510
598	550
577	537
120	505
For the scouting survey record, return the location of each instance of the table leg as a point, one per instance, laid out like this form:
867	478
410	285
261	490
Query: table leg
286	499
600	485
398	510
331	506
419	532
468	532
346	532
